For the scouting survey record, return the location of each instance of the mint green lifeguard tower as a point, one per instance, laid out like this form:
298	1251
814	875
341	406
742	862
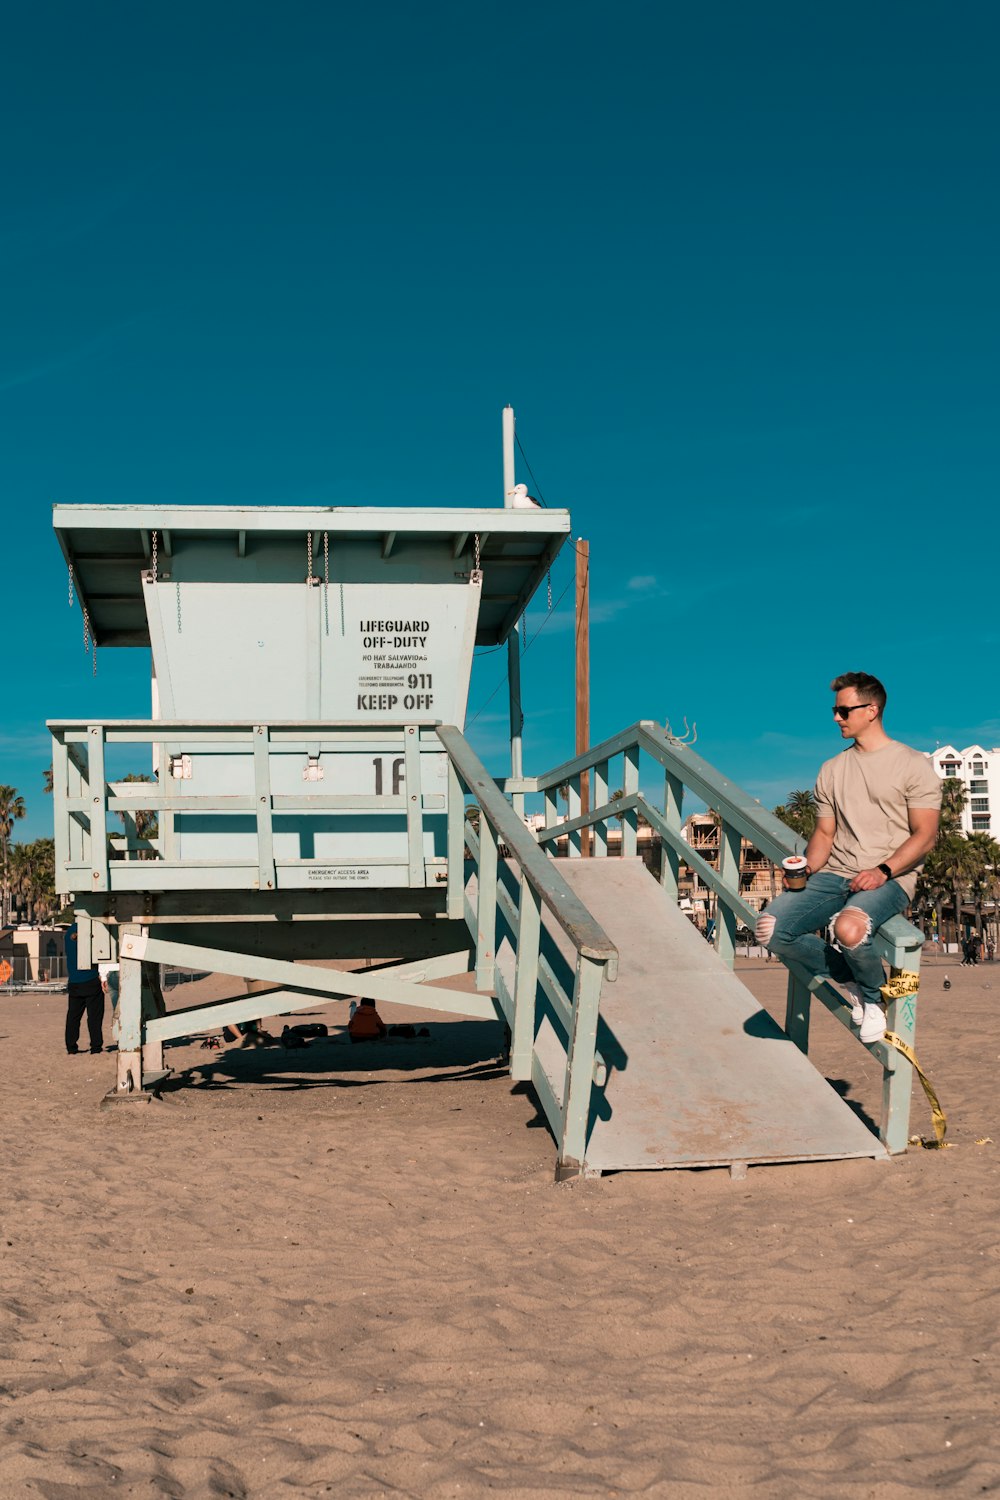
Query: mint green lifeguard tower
309	674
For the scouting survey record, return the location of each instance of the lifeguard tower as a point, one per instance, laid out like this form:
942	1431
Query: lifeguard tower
309	779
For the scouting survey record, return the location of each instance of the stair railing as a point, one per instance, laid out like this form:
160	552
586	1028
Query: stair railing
596	957
740	817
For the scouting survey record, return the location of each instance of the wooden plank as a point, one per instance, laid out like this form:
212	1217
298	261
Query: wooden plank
630	821
266	873
528	932
97	788
486	906
414	816
698	1073
368	984
60	776
897	1078
456	846
729	874
673	814
600	799
580	1066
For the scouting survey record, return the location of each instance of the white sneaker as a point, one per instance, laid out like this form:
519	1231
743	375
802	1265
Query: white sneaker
873	1024
850	993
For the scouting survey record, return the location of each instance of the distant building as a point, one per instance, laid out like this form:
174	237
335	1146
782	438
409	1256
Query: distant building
35	954
979	770
759	882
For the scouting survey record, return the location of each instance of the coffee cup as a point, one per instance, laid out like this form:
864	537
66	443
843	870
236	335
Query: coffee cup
796	872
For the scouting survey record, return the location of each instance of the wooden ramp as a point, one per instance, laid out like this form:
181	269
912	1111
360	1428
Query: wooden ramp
698	1073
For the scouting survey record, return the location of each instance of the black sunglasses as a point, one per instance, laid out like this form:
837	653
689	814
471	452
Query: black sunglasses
841	711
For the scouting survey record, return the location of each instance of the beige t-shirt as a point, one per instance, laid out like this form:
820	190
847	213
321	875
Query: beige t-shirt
869	793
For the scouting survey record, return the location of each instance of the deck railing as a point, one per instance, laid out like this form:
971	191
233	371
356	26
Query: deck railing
92	856
740	817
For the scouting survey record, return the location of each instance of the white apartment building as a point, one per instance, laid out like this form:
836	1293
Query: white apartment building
979	769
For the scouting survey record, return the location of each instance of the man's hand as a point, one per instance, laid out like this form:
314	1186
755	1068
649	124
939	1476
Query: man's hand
868	880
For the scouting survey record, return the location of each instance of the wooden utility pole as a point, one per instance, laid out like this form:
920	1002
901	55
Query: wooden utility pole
583	678
514	639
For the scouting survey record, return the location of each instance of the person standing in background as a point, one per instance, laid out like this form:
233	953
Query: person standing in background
86	997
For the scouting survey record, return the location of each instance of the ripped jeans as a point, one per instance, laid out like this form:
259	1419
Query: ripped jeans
798	915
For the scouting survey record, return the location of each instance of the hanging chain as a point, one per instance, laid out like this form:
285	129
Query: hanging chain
177	590
548	577
326	582
309	557
89	638
154	555
476	552
71	585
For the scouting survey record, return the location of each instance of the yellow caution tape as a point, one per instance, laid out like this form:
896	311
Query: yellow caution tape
937	1113
901	982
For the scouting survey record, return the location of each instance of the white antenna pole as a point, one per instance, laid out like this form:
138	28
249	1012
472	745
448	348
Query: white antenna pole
514	639
508	456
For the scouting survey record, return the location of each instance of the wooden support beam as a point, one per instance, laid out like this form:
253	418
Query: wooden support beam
367	984
583	678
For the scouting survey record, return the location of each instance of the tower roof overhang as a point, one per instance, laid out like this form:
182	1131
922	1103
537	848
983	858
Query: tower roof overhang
109	547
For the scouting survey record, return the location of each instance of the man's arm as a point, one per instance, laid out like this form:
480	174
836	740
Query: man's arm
923	823
820	844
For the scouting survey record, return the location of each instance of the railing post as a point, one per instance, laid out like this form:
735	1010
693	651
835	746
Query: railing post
165	827
98	793
414	807
729	873
797	1006
575	846
529	925
580	1049
129	1018
552	813
600	798
486	904
630	819
77	835
670	860
60	790
897	1074
456	847
262	790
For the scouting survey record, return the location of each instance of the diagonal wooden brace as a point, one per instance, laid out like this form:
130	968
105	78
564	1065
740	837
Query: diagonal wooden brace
366	985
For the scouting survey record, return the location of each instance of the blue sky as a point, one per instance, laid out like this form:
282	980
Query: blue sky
735	267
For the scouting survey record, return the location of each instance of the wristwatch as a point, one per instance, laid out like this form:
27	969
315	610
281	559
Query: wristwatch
885	871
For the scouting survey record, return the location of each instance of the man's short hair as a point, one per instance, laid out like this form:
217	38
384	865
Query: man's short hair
865	684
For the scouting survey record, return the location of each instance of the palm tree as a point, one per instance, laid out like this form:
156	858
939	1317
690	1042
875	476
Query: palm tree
985	860
953	799
951	865
11	808
798	812
32	871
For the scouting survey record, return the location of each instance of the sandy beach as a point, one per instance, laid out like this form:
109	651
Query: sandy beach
348	1270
